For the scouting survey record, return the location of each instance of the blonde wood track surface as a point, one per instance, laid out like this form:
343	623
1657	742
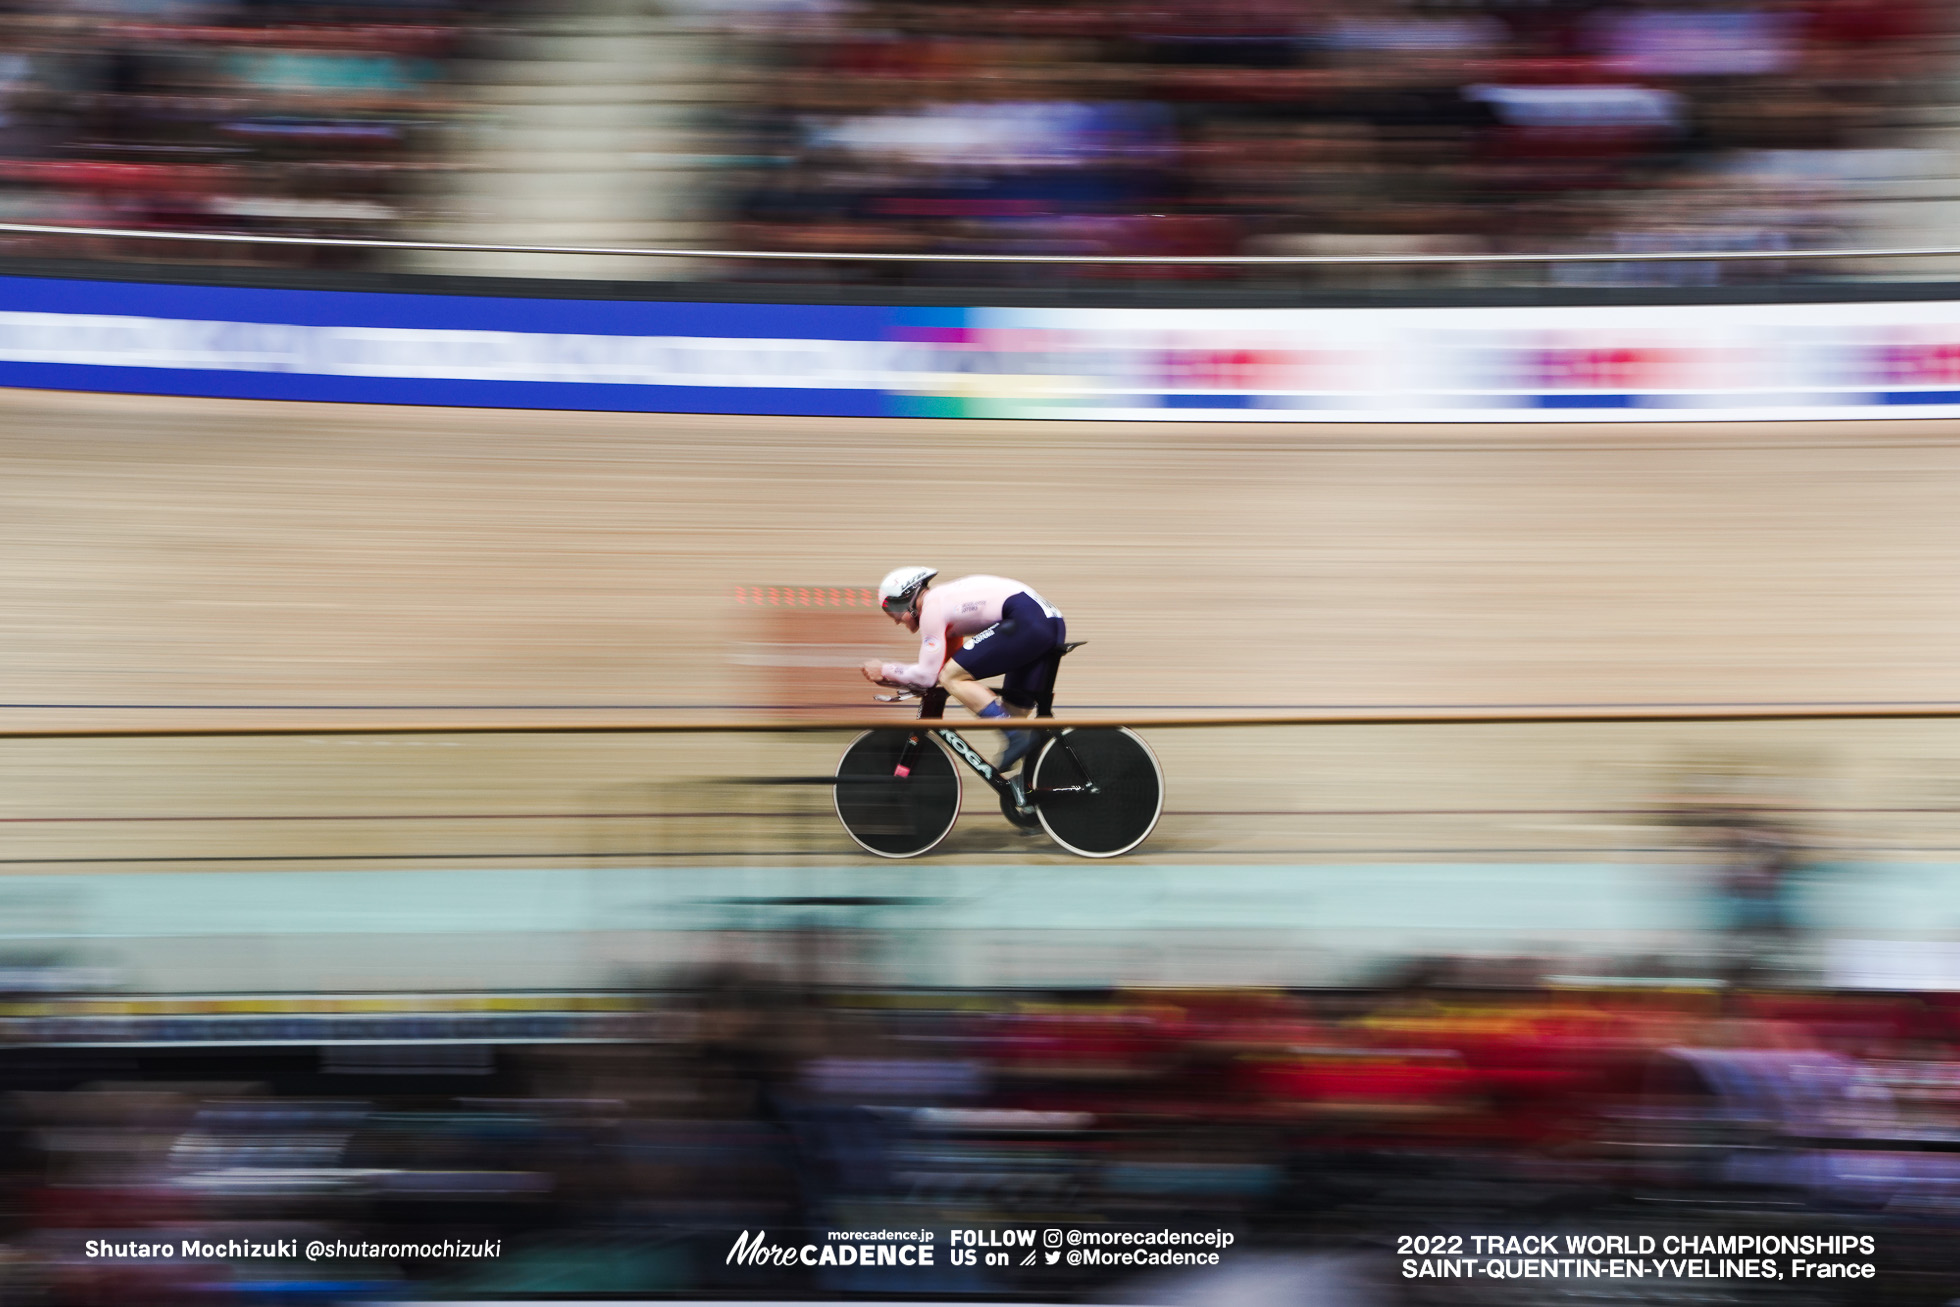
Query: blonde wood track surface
244	634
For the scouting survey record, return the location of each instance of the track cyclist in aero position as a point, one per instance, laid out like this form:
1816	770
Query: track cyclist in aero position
1004	628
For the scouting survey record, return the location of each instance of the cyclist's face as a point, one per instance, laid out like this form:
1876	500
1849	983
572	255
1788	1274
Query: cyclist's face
910	621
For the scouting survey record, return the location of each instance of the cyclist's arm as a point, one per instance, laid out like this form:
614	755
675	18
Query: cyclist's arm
924	674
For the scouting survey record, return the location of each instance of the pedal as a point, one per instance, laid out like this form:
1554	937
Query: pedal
1021	804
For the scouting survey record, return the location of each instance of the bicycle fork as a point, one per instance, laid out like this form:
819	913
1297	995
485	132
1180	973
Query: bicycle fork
931	704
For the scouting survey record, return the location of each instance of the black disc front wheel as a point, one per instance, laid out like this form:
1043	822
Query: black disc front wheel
1098	790
891	814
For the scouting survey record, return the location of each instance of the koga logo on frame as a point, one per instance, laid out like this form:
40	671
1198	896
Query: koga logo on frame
965	751
757	1251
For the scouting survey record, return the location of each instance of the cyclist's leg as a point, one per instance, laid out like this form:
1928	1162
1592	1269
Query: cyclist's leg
1024	634
1025	687
1019	647
979	699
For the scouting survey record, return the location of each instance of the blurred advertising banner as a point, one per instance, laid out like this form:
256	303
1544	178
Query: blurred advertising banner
1465	364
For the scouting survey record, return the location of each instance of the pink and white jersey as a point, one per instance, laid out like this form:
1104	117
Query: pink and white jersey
952	612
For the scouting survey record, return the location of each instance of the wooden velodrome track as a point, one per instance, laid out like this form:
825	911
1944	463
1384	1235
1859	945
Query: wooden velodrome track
169	561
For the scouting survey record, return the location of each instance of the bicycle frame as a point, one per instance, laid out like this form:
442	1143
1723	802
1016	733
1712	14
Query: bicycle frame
932	707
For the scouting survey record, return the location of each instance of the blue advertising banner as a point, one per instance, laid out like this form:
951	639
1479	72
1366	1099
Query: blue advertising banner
1476	364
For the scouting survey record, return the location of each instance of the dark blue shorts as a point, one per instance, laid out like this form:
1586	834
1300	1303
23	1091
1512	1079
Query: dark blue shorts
1018	646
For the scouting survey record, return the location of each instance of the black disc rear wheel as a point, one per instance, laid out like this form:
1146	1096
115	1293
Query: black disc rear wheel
1098	790
888	814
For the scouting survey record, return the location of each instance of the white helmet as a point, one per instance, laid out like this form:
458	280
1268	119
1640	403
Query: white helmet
899	591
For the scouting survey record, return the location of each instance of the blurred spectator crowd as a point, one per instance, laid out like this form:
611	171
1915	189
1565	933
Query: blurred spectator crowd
299	117
1469	1096
1203	127
1072	127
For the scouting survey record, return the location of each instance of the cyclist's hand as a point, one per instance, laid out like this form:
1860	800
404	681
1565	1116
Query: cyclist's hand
874	672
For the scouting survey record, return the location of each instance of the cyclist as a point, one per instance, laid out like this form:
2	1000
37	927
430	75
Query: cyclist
1003	628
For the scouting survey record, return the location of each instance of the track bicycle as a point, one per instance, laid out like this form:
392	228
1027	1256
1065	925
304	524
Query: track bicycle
1096	790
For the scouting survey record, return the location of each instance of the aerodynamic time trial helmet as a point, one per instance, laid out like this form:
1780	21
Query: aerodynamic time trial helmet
900	589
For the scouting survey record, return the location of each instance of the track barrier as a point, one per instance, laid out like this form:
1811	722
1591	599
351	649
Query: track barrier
1299	847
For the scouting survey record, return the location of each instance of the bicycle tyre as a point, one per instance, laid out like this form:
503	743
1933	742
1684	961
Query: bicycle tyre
1129	795
890	815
